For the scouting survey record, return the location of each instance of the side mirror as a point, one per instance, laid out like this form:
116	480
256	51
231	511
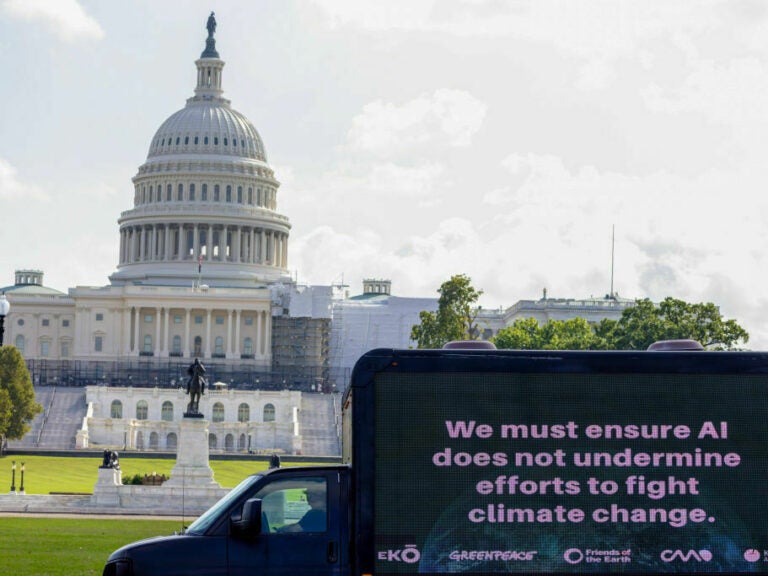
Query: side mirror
249	522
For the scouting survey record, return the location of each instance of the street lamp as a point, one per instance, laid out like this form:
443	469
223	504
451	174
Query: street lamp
5	307
21	488
13	477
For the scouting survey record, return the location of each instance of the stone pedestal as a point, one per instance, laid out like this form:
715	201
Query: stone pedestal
191	469
106	492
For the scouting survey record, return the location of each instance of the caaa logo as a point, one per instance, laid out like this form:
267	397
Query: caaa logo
689	556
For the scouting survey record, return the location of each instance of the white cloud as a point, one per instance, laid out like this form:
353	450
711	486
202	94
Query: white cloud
444	118
12	188
66	18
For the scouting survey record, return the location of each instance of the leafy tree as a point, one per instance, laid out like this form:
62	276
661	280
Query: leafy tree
454	318
527	334
645	323
17	396
639	326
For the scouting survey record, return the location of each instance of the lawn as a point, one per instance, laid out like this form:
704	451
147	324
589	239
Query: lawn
46	474
62	546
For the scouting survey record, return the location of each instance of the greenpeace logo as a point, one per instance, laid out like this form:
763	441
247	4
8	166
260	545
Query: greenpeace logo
490	555
686	556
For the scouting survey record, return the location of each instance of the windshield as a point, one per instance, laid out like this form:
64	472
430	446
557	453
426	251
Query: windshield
210	516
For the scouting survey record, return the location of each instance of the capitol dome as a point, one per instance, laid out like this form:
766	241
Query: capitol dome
205	199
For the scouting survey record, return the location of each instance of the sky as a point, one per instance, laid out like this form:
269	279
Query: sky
519	142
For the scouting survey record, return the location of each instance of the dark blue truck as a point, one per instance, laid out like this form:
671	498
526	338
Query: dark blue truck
484	461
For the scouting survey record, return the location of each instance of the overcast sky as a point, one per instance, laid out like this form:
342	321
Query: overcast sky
417	139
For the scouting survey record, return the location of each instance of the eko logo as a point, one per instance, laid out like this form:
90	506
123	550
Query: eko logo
410	554
690	555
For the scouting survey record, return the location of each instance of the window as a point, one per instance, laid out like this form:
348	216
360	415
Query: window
225	141
99	317
46	322
20	322
234	142
243	412
250	195
116	409
196	140
98	344
215	140
205	141
248	346
167	411
219	345
148	318
177	140
45	348
142	408
198	346
229	443
177	318
215	192
150	195
170	441
295	505
269	412
204	196
191	191
218	412
20	343
212	442
186	140
168	193
180	193
147	343
229	193
248	320
219	320
177	344
65	323
198	319
239	194
65	349
153	440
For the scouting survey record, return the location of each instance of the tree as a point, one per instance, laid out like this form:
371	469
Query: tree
17	396
527	334
454	318
645	323
639	326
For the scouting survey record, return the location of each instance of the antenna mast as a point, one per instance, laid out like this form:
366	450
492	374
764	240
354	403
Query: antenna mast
613	250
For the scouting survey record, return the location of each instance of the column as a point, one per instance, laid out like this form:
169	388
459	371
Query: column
167	242
136	326
223	244
285	251
209	243
195	241
156	347
208	334
263	247
127	331
236	242
182	242
259	348
252	256
268	333
229	333
165	348
237	333
187	349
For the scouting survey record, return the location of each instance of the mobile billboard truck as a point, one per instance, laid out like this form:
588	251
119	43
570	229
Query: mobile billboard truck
484	461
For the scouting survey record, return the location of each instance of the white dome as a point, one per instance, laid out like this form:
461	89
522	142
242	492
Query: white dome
208	128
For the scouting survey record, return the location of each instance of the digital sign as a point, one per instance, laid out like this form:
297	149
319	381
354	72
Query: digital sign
570	473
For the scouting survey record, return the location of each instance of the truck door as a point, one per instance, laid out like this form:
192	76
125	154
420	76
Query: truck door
300	531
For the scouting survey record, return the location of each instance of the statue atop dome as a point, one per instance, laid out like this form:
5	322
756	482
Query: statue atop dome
210	42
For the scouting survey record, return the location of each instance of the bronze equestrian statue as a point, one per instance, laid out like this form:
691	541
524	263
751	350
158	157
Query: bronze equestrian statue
195	386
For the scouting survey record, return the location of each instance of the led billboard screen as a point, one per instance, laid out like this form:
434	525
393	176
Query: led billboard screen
571	473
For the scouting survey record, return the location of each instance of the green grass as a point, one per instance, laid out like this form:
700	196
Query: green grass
46	474
61	546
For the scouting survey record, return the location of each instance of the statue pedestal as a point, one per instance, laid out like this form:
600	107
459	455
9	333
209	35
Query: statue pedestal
191	468
107	489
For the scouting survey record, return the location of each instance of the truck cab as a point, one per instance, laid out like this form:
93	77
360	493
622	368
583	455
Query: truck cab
285	521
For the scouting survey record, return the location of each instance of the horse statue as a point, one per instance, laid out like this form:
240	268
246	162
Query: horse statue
195	386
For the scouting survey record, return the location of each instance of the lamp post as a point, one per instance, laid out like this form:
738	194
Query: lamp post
5	307
21	488
13	477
